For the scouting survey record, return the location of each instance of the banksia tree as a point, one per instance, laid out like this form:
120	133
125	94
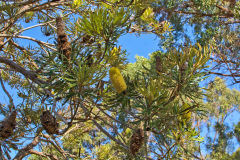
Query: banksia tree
49	122
8	125
62	39
117	80
136	141
96	118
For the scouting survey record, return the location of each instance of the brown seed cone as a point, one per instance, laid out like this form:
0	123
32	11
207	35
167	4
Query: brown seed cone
49	122
136	141
8	125
182	70
63	44
158	64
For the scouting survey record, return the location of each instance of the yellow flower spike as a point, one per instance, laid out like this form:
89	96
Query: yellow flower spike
117	80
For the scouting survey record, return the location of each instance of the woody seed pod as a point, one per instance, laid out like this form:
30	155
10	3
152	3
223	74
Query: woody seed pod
117	80
63	44
8	125
158	64
136	141
49	122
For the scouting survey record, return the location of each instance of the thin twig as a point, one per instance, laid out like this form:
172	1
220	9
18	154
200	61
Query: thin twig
7	93
169	149
48	45
25	151
102	129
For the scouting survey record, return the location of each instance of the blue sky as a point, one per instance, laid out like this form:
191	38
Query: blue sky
141	45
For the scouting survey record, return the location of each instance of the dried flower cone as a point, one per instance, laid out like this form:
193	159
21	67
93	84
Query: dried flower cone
49	122
158	64
63	44
8	125
136	141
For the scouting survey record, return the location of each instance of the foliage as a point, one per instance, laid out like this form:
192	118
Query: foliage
221	135
92	118
214	22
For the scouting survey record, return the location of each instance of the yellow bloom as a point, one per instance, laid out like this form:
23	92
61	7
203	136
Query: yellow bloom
117	80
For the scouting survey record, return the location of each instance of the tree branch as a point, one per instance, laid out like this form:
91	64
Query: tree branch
55	144
28	6
7	93
25	151
226	75
228	12
103	130
28	74
52	157
169	149
108	135
31	151
48	45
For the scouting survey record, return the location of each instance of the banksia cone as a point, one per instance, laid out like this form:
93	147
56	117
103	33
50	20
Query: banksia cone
136	141
8	125
49	122
158	64
117	80
63	44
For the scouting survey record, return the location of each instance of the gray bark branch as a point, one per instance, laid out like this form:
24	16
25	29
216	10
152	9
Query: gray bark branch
27	73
